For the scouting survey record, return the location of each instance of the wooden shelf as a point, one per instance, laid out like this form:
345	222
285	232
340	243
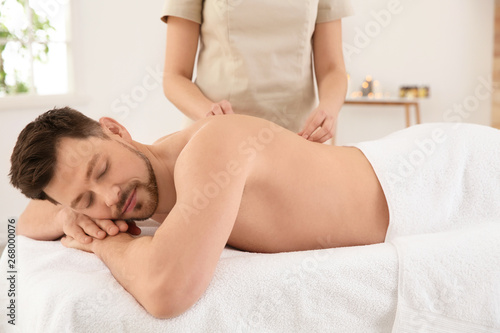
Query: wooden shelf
404	102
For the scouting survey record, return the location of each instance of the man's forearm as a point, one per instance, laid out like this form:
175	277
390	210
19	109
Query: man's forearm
154	278
38	221
129	260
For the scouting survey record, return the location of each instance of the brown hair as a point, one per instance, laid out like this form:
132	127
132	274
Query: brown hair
34	156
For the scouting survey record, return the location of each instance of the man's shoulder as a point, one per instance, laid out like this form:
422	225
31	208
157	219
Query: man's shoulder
218	134
228	130
225	137
214	148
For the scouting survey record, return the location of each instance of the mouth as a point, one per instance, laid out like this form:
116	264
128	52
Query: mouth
130	204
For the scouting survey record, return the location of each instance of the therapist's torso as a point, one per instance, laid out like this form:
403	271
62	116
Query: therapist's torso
258	54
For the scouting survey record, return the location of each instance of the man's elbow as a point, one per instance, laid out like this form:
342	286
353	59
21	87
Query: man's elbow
169	294
27	226
21	229
164	304
162	310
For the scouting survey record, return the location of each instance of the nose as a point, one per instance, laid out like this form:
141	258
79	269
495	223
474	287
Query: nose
111	195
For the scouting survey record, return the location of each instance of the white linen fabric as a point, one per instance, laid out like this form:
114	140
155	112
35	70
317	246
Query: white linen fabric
450	281
343	290
442	185
437	177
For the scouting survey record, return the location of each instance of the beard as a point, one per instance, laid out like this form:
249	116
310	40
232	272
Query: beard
147	207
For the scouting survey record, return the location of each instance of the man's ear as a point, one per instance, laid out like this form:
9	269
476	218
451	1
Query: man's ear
112	127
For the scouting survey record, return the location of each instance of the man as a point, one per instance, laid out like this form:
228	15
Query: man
232	180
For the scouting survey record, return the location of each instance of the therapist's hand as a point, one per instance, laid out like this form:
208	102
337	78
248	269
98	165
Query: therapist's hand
320	125
219	108
82	228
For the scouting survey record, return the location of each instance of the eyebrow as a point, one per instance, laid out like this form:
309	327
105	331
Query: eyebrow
91	165
90	169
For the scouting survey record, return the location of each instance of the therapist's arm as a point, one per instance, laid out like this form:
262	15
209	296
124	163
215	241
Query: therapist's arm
331	78
180	55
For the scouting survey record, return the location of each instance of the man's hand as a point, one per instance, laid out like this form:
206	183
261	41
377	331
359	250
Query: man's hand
219	108
70	242
82	228
320	125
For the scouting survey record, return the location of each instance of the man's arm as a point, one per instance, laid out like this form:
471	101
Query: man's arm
40	221
168	273
43	220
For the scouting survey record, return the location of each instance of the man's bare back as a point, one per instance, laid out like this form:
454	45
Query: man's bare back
298	195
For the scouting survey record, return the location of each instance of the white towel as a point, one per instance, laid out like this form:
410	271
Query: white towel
450	281
442	182
348	290
438	177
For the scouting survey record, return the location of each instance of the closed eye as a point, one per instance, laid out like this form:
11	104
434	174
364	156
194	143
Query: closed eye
103	172
91	200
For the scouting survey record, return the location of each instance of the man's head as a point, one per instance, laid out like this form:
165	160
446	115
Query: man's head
93	167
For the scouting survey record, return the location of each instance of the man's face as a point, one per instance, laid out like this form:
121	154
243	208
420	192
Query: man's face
104	179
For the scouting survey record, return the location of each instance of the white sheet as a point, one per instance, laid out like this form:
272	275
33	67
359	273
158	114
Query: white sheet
342	290
450	281
438	177
442	183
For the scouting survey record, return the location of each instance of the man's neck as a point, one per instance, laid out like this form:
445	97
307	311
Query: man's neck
163	155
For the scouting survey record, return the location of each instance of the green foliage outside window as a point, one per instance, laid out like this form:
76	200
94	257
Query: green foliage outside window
38	30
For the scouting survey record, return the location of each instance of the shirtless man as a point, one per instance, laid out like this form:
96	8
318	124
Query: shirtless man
226	180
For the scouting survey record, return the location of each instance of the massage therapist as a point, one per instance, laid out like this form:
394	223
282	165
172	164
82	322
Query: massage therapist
256	57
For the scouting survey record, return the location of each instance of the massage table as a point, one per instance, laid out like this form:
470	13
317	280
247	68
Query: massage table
351	289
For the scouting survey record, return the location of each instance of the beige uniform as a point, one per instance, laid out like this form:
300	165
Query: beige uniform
258	54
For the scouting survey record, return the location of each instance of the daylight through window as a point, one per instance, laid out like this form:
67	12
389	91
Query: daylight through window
34	47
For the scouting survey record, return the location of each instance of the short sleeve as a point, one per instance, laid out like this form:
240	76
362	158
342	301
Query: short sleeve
331	10
187	9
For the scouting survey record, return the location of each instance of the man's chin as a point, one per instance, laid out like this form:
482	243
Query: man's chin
136	219
140	217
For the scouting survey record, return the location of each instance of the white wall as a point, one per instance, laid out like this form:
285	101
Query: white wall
446	44
116	46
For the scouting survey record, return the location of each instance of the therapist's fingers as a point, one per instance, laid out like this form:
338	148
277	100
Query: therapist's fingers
216	110
226	107
325	131
220	108
313	122
325	138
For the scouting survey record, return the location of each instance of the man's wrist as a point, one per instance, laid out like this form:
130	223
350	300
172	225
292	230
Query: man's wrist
103	247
